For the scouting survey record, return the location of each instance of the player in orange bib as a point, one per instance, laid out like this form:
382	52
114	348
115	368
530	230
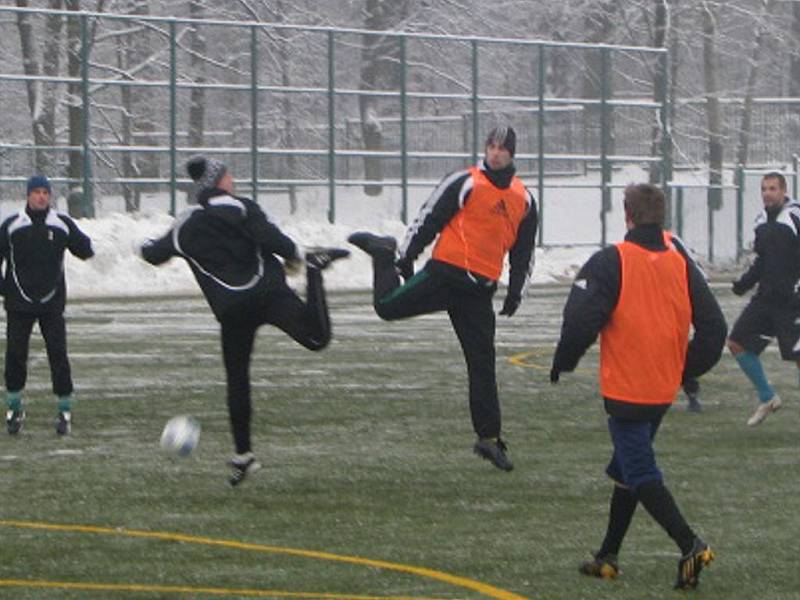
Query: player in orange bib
641	297
477	216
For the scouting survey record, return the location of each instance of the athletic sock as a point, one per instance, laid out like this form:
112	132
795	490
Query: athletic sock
752	367
620	514
65	403
658	501
14	400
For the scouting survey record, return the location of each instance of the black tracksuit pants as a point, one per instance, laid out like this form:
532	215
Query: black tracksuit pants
19	326
307	323
469	306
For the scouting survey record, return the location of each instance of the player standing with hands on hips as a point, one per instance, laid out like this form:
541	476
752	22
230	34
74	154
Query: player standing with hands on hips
32	245
233	249
480	215
642	296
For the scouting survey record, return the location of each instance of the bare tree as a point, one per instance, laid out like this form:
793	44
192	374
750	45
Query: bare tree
750	87
713	108
380	69
42	95
197	95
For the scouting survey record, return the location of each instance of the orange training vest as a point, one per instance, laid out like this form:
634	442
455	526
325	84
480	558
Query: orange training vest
478	237
643	346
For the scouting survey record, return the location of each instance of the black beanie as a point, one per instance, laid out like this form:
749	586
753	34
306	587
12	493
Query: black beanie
206	172
504	136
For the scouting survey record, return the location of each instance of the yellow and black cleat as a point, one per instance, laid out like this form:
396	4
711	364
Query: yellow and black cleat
689	566
604	567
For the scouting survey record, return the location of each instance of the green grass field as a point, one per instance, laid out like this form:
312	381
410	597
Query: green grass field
367	455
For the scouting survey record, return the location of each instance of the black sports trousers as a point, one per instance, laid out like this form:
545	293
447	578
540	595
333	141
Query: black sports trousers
469	306
19	326
307	323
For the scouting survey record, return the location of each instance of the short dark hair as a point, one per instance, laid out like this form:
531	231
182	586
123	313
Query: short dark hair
645	204
505	136
776	175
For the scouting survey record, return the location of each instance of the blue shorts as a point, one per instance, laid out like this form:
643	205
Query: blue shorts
634	461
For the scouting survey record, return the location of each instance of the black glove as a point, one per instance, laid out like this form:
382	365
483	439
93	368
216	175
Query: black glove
554	375
738	288
405	266
510	305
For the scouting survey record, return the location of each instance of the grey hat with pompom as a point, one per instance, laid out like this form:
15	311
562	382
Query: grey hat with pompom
206	172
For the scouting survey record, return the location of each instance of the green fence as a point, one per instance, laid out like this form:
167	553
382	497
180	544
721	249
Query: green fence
293	107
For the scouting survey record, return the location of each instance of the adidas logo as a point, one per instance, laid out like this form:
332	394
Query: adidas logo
500	208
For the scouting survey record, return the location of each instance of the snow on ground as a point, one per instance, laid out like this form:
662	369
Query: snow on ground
117	269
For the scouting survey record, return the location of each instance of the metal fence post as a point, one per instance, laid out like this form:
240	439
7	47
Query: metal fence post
540	147
679	212
331	132
605	142
710	209
666	132
173	119
254	111
796	167
740	182
88	189
403	133
475	128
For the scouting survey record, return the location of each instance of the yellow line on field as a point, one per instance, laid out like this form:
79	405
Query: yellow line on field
455	580
523	359
179	589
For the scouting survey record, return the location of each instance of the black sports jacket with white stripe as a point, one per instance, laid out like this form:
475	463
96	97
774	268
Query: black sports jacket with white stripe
32	245
776	268
231	247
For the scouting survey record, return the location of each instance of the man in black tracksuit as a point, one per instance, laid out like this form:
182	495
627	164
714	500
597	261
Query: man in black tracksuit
641	296
774	310
232	249
478	216
32	245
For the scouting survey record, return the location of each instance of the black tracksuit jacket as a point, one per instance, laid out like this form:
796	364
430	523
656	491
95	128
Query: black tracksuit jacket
231	247
32	245
776	268
594	297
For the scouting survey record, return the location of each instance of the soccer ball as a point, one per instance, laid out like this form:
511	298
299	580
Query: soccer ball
180	435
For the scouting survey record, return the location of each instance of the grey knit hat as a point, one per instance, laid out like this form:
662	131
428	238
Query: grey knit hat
206	172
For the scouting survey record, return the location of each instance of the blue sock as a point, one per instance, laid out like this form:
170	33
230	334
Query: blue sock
14	400
65	403
751	365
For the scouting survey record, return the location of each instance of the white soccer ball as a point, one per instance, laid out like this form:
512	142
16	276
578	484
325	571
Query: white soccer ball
181	435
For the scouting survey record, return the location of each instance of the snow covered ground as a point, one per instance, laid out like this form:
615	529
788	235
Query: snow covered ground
571	210
117	270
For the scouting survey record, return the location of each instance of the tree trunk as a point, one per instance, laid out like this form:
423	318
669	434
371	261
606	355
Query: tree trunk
380	66
287	134
41	95
74	107
129	193
660	82
713	108
197	96
750	88
599	28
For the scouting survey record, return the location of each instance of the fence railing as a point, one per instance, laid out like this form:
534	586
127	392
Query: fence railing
299	107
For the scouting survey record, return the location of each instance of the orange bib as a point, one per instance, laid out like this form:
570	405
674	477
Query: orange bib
643	346
482	232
